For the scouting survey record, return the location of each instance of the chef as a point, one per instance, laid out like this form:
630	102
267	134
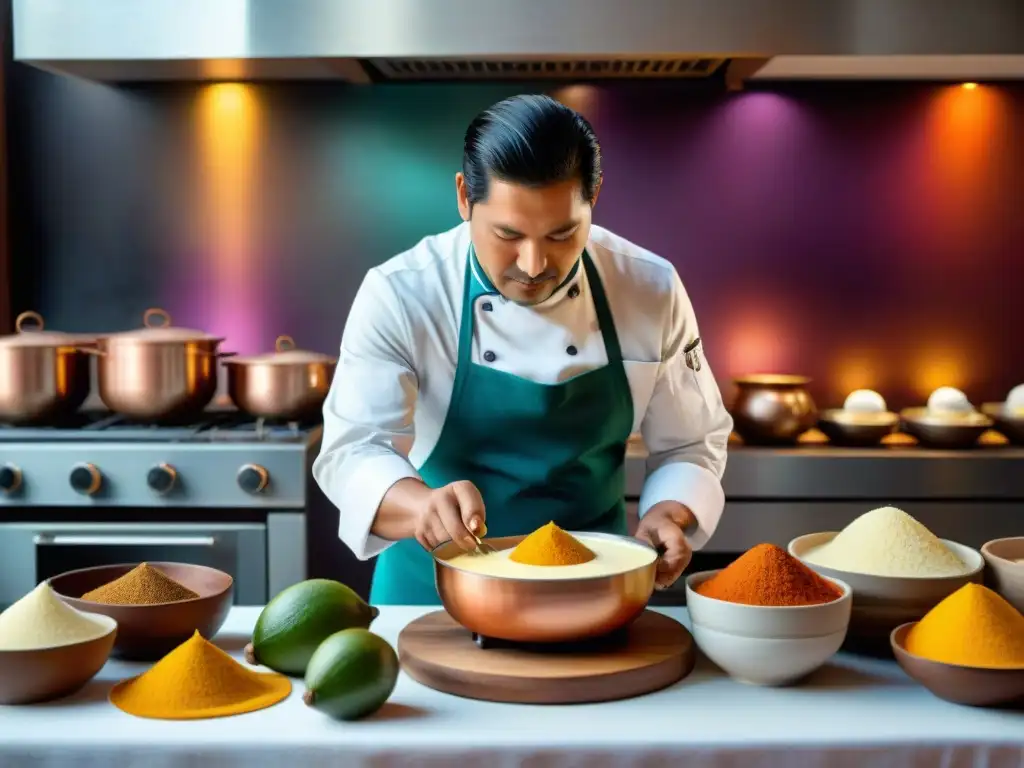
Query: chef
490	376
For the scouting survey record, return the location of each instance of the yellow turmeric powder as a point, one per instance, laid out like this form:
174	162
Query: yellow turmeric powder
198	680
550	545
973	627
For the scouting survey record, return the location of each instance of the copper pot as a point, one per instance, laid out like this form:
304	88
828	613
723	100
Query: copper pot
772	409
539	610
44	375
289	383
158	373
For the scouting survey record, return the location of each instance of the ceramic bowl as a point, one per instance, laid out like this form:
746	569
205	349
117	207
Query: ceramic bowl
44	674
1010	424
767	621
881	603
766	645
949	432
148	632
961	685
1005	575
857	430
766	661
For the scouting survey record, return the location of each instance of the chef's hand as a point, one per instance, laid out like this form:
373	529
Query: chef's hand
451	512
662	527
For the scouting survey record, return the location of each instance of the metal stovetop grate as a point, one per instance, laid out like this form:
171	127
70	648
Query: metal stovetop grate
108	427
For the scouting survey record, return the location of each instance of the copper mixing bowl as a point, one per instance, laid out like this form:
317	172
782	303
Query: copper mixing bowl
539	610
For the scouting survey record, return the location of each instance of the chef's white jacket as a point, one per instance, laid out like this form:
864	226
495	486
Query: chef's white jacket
399	349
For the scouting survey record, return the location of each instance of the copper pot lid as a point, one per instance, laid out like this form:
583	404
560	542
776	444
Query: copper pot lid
286	353
30	333
157	328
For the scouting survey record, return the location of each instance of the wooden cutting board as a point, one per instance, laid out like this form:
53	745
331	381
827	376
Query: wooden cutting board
654	652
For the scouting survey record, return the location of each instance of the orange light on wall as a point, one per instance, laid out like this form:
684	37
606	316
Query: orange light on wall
963	127
855	370
229	132
939	365
757	342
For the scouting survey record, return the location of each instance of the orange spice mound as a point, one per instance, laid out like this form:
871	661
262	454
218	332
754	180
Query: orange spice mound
768	575
550	545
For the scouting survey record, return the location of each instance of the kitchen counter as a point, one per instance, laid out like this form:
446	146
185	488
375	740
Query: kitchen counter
852	712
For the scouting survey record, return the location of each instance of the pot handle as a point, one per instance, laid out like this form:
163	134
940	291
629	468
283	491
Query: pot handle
152	314
284	343
215	354
35	317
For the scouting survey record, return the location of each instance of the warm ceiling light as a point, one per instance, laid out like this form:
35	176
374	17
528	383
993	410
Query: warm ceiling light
969	86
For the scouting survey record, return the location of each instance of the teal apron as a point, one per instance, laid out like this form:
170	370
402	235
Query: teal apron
536	452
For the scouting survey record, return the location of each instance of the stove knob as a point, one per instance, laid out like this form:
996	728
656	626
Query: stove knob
86	479
162	478
10	478
252	478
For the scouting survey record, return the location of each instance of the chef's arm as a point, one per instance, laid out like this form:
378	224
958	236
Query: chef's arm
368	424
686	427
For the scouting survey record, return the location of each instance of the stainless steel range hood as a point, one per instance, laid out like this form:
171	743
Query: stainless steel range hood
380	40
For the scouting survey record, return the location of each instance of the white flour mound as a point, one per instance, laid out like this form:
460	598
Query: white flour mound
42	620
887	542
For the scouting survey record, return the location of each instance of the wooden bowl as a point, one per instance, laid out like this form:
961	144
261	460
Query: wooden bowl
857	430
882	603
1004	575
148	632
1010	424
44	674
948	432
974	686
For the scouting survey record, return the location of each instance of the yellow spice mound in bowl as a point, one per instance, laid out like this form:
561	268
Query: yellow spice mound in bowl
973	627
550	545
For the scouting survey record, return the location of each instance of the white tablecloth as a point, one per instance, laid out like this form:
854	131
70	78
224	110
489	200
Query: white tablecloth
853	712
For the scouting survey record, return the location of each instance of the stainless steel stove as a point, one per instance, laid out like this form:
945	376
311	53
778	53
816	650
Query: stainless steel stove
230	492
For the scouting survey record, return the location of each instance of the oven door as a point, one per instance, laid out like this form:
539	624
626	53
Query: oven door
31	553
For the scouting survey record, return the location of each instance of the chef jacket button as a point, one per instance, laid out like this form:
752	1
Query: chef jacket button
574	291
487	306
489	356
571	349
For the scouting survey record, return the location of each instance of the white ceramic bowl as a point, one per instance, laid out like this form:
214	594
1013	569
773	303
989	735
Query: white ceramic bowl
885	590
767	645
882	603
766	661
758	621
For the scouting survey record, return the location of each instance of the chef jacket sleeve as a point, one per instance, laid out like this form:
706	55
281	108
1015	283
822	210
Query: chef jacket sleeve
368	414
686	427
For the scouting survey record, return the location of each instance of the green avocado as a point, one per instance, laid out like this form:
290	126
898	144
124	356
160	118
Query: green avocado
351	675
293	624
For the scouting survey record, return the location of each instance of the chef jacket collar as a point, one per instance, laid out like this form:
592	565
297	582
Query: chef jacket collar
484	282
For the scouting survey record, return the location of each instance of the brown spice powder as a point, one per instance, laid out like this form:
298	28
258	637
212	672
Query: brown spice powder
143	585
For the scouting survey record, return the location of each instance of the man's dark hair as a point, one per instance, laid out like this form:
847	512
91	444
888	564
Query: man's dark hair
533	141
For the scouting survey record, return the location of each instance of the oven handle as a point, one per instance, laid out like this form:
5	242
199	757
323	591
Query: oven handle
113	541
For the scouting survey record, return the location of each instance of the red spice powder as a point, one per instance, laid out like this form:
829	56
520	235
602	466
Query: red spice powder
767	575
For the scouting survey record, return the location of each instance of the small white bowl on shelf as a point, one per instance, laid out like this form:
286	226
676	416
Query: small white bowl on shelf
767	645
